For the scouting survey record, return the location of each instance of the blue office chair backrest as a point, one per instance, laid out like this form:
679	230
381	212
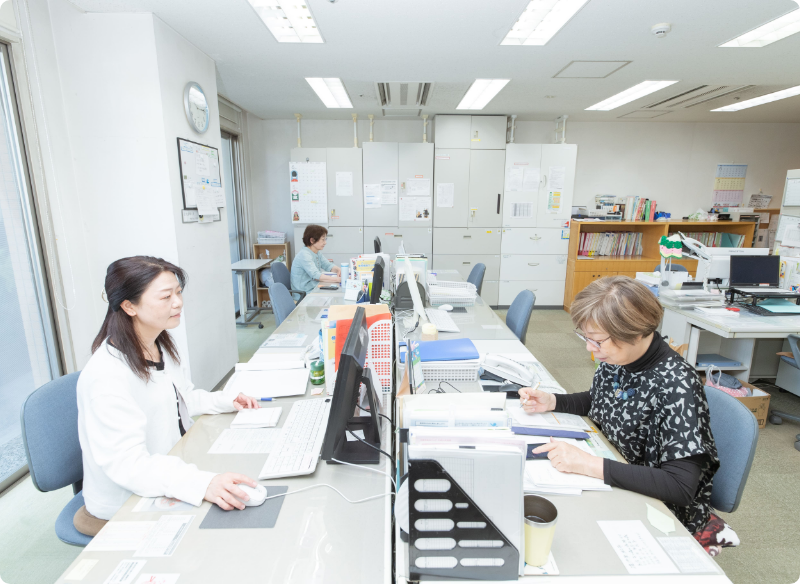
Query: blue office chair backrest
672	268
476	276
735	431
280	273
519	313
49	419
282	303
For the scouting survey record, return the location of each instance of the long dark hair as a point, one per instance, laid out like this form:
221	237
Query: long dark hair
127	279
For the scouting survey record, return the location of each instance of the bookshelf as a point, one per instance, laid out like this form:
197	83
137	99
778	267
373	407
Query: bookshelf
274	250
582	272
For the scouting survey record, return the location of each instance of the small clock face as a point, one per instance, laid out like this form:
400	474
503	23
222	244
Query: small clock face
196	106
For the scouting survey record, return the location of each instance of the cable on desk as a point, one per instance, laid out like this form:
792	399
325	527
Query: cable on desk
330	487
440	390
391	478
389	456
380	414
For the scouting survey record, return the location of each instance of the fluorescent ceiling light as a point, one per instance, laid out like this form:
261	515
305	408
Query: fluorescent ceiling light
289	21
330	90
770	97
629	95
766	34
481	92
541	20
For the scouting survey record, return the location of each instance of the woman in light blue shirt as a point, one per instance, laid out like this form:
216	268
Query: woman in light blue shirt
309	263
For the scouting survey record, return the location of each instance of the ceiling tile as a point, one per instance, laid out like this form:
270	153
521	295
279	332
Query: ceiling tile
590	69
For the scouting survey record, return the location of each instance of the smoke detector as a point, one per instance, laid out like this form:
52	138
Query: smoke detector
661	30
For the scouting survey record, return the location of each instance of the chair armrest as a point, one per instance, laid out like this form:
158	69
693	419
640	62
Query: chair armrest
302	294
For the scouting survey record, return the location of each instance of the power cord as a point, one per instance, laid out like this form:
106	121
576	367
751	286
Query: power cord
440	390
391	478
331	487
380	414
389	456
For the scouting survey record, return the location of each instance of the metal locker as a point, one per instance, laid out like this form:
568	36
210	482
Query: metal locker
345	211
533	267
415	239
487	133
452	131
450	241
555	210
348	240
548	292
522	181
380	164
486	187
415	161
465	262
535	241
452	167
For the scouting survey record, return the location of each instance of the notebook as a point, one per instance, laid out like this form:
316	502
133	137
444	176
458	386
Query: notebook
448	350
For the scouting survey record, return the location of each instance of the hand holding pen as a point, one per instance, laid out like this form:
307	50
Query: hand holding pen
535	401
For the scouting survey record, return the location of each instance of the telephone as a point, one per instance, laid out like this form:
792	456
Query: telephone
508	369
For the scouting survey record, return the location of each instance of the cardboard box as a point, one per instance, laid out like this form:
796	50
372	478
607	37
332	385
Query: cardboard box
758	403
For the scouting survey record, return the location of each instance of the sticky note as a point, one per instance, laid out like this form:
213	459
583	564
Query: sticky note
659	520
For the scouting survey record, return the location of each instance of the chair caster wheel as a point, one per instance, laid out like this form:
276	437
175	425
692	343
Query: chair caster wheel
260	325
775	420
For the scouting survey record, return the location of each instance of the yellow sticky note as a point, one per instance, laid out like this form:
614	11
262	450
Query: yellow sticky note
661	521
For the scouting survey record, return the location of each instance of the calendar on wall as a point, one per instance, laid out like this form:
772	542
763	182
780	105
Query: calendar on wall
729	184
308	185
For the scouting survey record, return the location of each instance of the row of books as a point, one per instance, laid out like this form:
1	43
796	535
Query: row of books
639	209
615	243
712	239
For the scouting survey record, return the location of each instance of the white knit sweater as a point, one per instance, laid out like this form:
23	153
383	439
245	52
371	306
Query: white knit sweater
127	427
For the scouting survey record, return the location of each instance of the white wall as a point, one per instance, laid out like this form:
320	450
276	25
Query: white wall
107	95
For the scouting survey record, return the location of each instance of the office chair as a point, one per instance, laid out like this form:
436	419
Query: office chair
377	243
671	268
519	313
476	276
282	303
735	432
280	273
49	420
788	376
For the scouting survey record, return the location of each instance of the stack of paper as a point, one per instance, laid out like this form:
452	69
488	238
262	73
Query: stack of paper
549	420
716	311
542	477
257	418
274	383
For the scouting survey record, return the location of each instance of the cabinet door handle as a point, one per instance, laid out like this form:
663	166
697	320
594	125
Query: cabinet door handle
467	236
466	263
398	235
535	238
530	264
498	203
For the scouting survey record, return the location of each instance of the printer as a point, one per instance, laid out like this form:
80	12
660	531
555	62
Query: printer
714	263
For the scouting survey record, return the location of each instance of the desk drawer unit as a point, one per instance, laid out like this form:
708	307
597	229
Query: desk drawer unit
465	262
548	292
533	267
470	240
534	241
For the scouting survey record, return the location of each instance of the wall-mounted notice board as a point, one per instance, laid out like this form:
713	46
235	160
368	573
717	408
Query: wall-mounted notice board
200	177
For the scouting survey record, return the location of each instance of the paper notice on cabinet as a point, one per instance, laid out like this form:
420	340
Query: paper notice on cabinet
688	555
786	222
514	179
163	539
637	548
372	196
530	182
554	202
557	173
792	197
344	184
205	201
120	536
415	208
388	192
418	187
759	201
791	237
445	194
125	572
250	441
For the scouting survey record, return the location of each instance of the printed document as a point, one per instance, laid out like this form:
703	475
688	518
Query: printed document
637	548
688	555
277	383
120	536
344	184
277	340
165	536
445	193
257	418
125	572
250	441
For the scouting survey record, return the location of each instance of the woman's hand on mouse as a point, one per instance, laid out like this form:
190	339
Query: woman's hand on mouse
245	402
568	458
222	490
535	401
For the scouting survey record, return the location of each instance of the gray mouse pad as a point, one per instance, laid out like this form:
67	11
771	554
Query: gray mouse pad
252	517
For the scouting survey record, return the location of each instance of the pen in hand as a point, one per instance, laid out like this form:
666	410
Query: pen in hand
523	401
266	398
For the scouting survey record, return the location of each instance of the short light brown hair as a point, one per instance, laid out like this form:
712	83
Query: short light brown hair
314	232
626	309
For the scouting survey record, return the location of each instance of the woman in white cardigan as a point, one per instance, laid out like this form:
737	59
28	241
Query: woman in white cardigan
135	401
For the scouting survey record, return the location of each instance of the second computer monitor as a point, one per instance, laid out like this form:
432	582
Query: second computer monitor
377	281
755	270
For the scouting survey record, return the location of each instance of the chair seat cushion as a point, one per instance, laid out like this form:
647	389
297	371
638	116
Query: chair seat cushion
65	529
789	361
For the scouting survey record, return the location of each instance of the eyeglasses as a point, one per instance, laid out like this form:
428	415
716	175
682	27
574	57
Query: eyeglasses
586	339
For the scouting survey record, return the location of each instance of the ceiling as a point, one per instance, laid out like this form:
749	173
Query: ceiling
452	42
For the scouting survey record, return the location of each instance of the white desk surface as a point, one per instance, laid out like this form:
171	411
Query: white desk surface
250	265
746	324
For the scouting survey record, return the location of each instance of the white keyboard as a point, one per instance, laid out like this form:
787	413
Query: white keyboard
441	320
297	449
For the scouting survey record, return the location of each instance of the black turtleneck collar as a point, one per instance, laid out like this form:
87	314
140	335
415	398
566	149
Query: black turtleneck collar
656	352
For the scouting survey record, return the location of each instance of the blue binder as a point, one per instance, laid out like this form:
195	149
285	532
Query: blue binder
448	350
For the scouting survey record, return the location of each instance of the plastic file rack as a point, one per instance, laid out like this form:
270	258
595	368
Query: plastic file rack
453	293
379	353
460	543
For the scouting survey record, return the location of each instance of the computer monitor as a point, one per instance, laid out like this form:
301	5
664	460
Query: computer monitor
377	281
344	414
419	307
755	271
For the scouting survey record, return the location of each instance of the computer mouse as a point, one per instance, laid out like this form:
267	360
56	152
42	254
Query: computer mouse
446	307
257	495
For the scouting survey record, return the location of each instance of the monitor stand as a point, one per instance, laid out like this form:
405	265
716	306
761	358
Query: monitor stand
356	452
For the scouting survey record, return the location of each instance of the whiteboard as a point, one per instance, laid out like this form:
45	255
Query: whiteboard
200	174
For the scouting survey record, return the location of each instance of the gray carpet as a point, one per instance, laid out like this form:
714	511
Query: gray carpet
766	521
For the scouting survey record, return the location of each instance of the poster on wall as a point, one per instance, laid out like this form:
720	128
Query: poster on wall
201	182
308	187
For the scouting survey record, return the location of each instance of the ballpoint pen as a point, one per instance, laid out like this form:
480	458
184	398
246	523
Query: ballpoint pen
266	398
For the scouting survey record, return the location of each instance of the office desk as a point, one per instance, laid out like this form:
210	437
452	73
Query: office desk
240	268
319	537
581	550
732	337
